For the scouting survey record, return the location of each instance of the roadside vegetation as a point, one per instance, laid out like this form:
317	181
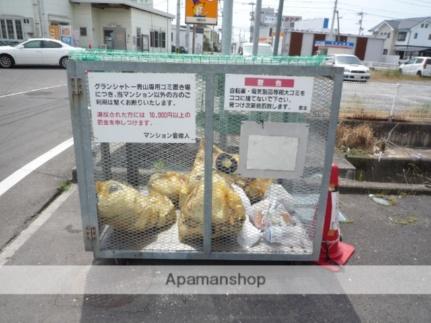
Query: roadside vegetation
395	75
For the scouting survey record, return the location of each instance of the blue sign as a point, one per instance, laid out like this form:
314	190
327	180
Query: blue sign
325	23
333	44
66	39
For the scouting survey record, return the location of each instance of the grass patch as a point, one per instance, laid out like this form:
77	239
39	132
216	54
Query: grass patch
355	139
64	186
391	75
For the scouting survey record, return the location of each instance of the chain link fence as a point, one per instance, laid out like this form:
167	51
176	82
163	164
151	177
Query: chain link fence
403	101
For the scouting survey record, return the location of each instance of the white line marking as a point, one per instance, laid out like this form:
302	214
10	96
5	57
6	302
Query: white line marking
10	250
29	91
17	176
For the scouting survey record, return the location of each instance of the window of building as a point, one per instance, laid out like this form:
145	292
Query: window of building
83	31
422	25
429	37
157	39
10	31
3	33
385	52
162	41
270	32
18	29
389	35
402	36
415	36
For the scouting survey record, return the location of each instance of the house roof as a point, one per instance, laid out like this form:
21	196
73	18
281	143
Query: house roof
127	3
402	24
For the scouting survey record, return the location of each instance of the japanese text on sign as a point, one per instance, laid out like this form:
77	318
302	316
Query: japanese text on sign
143	107
268	93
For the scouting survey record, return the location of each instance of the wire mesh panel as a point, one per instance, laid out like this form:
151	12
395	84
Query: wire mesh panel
206	197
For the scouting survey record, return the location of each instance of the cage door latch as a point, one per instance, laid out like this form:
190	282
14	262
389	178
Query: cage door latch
76	86
90	233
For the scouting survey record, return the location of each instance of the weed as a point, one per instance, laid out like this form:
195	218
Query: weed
64	186
360	138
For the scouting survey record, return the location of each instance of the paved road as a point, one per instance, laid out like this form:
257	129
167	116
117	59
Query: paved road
378	239
34	118
378	96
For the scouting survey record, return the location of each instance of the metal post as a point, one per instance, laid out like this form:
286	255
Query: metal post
194	39
394	100
208	173
106	157
278	27
331	32
188	38
177	30
256	27
227	26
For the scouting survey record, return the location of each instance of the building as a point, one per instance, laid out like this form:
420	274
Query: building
303	43
107	24
186	39
211	40
315	24
268	25
405	37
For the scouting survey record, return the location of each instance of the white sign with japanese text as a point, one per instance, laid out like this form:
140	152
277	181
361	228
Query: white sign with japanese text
143	107
268	93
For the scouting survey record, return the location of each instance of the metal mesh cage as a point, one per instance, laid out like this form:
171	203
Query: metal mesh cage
153	199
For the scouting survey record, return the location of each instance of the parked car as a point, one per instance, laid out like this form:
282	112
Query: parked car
354	69
262	50
36	51
420	66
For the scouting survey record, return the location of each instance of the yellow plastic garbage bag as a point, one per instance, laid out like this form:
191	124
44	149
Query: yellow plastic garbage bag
126	209
168	184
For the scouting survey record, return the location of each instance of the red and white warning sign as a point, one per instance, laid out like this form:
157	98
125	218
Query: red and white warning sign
268	93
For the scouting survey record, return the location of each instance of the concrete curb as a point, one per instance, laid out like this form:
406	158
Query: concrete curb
349	186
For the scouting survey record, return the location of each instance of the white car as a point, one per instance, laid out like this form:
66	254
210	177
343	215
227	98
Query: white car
262	49
420	66
36	51
354	70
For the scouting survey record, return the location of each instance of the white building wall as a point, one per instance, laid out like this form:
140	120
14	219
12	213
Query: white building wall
307	44
149	22
374	50
111	17
422	35
23	8
83	17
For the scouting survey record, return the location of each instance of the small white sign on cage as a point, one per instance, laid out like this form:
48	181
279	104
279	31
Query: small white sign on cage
143	107
273	149
268	93
262	155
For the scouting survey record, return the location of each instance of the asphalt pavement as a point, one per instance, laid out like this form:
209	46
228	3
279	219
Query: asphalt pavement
34	122
375	230
34	118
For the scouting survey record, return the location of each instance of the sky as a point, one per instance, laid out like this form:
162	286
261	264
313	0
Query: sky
375	11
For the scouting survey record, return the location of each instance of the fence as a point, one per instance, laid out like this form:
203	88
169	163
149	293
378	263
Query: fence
205	178
407	101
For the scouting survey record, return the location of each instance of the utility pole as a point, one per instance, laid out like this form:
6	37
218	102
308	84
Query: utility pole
177	29
256	26
251	20
361	18
331	32
227	27
338	25
278	27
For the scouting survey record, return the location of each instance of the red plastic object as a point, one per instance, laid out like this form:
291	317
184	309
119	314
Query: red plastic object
333	252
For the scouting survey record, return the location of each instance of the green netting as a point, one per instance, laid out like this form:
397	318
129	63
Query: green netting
133	56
